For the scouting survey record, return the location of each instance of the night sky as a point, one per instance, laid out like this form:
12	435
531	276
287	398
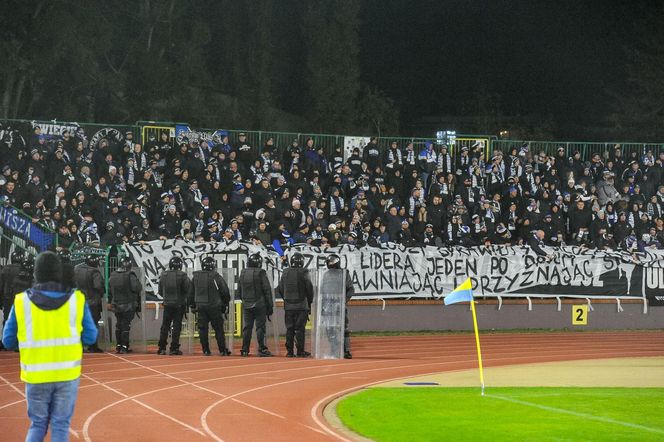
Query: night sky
558	58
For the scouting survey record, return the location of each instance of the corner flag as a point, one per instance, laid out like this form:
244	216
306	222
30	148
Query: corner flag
460	294
465	293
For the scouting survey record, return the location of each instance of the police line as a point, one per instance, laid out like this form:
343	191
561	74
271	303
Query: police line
425	272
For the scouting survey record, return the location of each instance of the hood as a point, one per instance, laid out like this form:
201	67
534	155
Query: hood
49	296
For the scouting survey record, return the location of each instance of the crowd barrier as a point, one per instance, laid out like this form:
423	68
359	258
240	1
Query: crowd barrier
17	132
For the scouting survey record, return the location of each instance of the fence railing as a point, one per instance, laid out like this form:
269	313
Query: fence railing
93	133
587	149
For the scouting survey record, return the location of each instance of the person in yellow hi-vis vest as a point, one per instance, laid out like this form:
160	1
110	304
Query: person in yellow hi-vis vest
49	326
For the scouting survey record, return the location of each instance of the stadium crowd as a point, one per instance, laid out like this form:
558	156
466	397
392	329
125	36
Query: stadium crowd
228	189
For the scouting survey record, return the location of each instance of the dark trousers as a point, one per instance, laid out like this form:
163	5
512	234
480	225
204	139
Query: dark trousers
296	320
172	315
211	315
249	316
346	333
122	327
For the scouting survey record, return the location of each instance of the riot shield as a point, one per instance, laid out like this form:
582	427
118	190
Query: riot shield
330	308
230	316
106	334
187	332
309	327
137	330
272	325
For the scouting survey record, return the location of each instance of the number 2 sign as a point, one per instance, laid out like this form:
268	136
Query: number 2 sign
579	315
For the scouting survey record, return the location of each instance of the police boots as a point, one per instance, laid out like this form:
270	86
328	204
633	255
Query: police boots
264	353
95	349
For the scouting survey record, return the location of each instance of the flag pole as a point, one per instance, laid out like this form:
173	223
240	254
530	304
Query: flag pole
477	341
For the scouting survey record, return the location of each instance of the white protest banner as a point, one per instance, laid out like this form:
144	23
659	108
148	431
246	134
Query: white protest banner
395	271
153	256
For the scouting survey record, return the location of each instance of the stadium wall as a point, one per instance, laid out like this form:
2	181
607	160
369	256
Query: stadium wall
410	316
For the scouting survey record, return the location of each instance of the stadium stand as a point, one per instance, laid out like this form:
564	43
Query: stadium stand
114	187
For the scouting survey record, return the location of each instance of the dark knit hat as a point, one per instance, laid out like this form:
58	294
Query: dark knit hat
48	268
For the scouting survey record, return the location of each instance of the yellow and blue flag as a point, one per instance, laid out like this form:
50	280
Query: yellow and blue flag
460	294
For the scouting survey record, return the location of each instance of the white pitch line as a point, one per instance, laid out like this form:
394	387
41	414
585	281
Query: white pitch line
605	420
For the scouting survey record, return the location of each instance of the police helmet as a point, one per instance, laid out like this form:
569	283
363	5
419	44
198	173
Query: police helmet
208	263
297	260
92	260
65	256
254	260
17	257
125	263
175	263
28	264
333	261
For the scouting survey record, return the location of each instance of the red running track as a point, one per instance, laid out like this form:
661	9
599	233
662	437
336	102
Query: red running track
169	398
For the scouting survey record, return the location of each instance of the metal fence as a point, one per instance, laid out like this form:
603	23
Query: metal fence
93	133
587	149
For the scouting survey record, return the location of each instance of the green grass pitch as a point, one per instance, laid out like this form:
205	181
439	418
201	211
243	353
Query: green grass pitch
516	414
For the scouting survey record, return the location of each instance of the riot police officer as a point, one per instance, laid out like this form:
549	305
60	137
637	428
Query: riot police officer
124	300
23	280
7	276
334	262
256	295
174	288
209	298
297	292
88	279
67	269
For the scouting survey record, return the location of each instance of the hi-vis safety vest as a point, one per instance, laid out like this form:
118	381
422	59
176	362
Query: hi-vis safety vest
49	341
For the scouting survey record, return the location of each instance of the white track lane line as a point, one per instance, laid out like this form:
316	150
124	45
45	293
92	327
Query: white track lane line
496	344
167	388
357	361
86	435
448	351
183	382
72	432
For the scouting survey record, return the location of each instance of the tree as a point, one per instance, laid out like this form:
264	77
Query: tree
639	102
330	31
377	112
